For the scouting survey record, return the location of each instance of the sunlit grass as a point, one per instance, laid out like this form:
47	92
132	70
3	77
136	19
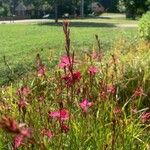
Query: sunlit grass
21	42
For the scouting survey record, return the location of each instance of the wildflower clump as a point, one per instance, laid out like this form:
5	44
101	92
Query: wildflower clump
88	102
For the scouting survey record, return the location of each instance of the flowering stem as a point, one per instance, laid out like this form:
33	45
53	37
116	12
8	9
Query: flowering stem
67	45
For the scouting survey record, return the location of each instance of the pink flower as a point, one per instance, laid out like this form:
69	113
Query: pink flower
64	128
26	132
61	114
145	117
103	95
18	141
22	104
134	110
41	71
92	70
85	104
47	133
138	92
76	76
20	138
24	91
65	62
117	110
67	78
72	79
10	125
111	89
19	129
78	91
41	98
96	55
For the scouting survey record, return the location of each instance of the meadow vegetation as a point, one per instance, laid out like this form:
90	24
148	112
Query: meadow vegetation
89	100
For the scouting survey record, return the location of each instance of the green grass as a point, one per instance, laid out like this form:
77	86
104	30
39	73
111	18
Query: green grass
21	42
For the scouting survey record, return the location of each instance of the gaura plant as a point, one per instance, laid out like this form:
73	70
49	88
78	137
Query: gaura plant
87	102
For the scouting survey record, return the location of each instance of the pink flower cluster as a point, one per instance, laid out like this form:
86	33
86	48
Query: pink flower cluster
41	71
21	132
96	55
23	91
92	70
111	89
117	110
65	62
85	104
48	133
145	117
23	94
61	115
138	92
22	104
107	90
71	79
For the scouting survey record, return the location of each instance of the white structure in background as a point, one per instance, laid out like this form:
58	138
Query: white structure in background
97	8
21	9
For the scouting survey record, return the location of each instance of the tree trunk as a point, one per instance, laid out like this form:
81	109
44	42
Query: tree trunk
56	11
82	9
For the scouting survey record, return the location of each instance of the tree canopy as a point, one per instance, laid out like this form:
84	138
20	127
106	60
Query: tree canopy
133	8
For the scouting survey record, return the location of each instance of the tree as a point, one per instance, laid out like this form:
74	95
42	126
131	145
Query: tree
82	9
56	11
59	7
135	8
110	5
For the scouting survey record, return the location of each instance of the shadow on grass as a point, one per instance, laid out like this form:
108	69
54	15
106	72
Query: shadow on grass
81	24
103	17
8	76
19	71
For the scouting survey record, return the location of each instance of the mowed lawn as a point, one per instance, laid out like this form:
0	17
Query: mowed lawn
20	43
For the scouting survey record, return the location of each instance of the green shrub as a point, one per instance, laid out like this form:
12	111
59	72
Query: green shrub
144	26
135	8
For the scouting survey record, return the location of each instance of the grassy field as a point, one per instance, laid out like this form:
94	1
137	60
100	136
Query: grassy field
21	42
